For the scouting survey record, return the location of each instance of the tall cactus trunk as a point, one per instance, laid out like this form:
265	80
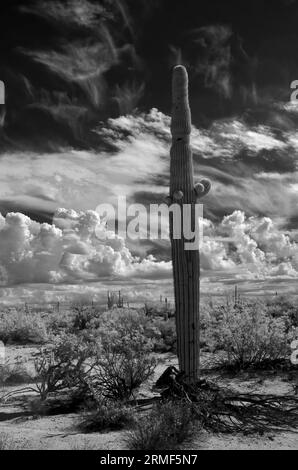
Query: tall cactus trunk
186	263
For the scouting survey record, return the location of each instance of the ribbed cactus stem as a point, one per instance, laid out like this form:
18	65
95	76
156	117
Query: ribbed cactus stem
186	263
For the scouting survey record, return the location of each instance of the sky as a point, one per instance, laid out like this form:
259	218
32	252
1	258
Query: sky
87	119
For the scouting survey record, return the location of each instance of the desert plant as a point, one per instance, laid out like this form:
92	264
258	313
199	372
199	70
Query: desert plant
83	445
124	361
66	363
14	373
281	306
60	322
8	443
157	309
22	327
83	315
108	415
249	336
186	262
167	426
168	336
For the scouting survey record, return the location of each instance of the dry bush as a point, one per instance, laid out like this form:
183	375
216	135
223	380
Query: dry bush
21	327
248	336
283	307
7	443
167	340
157	309
124	358
108	415
111	361
63	364
83	445
14	373
59	322
167	426
85	316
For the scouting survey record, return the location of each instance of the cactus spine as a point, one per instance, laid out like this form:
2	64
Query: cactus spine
186	263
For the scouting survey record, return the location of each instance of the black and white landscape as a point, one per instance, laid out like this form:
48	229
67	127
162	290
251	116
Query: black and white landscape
88	310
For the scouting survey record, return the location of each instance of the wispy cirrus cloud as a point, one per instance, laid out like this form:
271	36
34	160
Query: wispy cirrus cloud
214	64
240	159
81	64
71	12
128	96
88	42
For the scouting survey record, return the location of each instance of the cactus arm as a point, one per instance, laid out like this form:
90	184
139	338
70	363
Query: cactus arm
202	188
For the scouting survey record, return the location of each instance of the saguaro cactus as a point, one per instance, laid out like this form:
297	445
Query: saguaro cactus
186	263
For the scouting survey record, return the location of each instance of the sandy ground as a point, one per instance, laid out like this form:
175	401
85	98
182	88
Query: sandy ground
61	431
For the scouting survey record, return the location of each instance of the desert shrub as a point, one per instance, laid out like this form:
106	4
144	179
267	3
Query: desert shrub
167	426
283	307
248	336
111	361
38	407
157	309
168	336
83	445
7	443
64	364
21	327
124	359
14	373
108	415
80	317
205	322
85	316
59	322
153	332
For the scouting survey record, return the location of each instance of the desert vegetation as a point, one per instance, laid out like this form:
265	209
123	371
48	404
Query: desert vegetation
101	365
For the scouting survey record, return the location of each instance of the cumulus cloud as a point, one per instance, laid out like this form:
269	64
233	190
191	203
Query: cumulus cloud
238	249
69	250
246	213
254	246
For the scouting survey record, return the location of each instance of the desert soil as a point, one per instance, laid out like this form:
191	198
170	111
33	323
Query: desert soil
61	431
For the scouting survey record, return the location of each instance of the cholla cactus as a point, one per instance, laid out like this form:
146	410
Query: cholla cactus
186	263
